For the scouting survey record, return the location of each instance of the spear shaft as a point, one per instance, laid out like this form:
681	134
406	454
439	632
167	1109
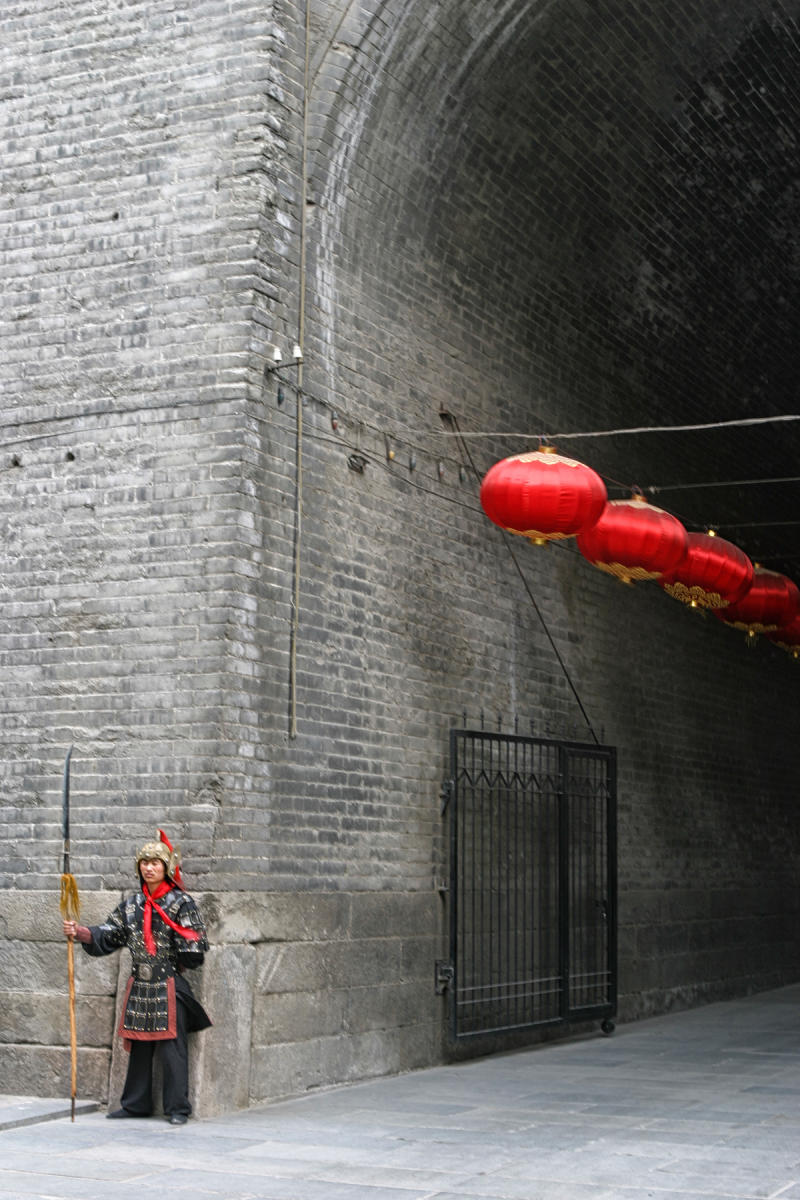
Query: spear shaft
70	911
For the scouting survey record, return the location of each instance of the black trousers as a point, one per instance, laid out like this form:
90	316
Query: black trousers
137	1095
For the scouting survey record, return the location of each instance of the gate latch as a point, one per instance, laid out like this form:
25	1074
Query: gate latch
445	974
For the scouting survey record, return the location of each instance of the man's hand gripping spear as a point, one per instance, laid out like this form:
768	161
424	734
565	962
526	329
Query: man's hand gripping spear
70	911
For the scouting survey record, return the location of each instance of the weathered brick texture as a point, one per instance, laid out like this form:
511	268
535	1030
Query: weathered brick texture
527	218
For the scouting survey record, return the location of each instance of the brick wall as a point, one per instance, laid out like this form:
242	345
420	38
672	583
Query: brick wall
136	208
489	233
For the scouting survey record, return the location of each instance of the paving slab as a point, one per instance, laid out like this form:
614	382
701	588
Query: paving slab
698	1105
32	1110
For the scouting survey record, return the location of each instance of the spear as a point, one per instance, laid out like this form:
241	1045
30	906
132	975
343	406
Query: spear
70	911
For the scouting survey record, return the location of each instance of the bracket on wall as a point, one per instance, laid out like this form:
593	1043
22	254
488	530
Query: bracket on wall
277	362
444	976
446	794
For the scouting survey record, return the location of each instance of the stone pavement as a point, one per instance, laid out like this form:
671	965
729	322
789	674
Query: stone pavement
701	1104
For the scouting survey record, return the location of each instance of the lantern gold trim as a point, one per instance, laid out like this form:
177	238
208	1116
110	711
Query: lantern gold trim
695	596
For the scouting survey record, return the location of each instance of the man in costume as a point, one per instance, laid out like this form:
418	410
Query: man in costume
164	932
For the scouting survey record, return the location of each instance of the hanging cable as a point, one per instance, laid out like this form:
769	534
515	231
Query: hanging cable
454	421
654	489
751	524
301	321
636	429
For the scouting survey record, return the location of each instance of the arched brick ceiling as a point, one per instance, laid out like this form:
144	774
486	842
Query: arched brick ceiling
610	192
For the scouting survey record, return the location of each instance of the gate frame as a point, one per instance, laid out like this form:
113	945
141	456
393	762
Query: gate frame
447	971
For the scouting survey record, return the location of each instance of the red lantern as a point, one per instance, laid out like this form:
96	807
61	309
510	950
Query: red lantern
788	637
634	540
713	573
542	495
771	602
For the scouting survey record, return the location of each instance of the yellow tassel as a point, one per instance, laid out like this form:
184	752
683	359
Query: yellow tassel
70	901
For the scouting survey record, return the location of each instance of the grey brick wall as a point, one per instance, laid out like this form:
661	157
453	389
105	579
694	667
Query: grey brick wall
137	204
491	233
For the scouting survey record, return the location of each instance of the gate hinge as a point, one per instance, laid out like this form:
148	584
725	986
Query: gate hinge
445	974
446	794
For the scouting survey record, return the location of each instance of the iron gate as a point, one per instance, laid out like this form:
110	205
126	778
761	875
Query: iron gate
533	882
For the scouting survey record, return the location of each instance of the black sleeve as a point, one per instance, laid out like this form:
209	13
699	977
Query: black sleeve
108	937
191	960
190	954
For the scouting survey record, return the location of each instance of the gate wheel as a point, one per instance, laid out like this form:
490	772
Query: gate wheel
608	1027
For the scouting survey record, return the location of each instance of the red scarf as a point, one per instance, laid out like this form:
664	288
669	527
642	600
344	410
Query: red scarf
150	898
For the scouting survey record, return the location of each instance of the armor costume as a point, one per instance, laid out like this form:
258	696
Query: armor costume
148	1010
164	933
